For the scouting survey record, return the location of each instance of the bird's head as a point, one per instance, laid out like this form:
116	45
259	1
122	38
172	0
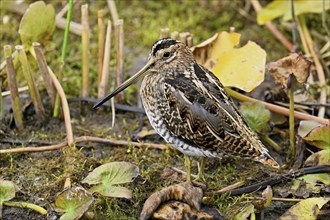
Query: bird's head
165	53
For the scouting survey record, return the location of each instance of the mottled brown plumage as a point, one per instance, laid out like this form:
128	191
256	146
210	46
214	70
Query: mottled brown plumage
188	106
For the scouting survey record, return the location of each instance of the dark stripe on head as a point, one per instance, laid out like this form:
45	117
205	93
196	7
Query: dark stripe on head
161	44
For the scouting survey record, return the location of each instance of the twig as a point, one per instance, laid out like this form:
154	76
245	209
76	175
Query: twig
113	10
101	35
277	179
44	71
276	108
83	139
231	187
20	89
119	35
278	199
39	108
256	5
65	107
85	48
16	103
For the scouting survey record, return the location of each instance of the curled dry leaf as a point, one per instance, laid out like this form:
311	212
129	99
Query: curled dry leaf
295	64
180	210
184	192
263	202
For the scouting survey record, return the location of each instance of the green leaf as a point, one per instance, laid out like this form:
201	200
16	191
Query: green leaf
307	126
246	214
113	173
319	158
74	202
319	137
256	116
306	209
113	191
7	190
37	24
280	8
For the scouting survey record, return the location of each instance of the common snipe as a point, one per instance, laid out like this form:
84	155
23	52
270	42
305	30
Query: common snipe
188	106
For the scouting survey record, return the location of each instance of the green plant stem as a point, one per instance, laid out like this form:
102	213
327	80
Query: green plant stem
272	143
26	205
63	56
276	108
292	150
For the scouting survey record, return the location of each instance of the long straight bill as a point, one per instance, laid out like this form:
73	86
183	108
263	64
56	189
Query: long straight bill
126	84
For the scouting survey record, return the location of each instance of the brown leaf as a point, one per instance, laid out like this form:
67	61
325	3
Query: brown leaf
184	192
180	210
295	64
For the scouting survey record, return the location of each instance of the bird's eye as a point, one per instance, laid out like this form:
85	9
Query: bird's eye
166	55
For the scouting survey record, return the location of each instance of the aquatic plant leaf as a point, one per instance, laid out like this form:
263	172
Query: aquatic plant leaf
242	68
310	183
319	137
112	191
319	158
306	126
37	24
280	8
247	213
7	190
306	209
260	203
74	202
113	173
295	64
256	116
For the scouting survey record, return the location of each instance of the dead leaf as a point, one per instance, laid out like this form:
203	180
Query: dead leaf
181	210
295	64
184	192
319	137
319	158
306	209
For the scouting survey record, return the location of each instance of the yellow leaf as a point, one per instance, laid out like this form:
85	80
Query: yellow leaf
242	68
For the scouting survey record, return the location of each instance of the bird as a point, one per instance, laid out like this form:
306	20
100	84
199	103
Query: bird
189	108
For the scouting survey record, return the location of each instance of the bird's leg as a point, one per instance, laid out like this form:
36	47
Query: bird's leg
187	163
201	166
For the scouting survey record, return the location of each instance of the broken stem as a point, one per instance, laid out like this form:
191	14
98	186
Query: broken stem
36	208
276	108
14	95
292	150
85	52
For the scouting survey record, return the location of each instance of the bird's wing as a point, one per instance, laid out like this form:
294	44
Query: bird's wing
199	108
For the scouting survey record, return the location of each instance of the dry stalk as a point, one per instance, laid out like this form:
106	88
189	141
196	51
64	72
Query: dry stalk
256	5
119	34
104	83
44	71
113	10
164	33
101	36
15	101
85	48
39	108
